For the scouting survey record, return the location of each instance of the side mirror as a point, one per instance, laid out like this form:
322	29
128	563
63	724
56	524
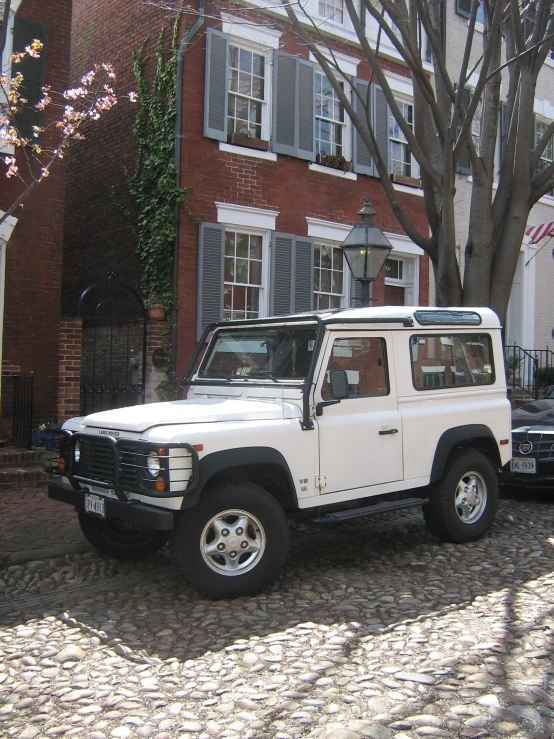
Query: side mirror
338	380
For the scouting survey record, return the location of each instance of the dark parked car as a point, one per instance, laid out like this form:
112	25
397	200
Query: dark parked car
533	443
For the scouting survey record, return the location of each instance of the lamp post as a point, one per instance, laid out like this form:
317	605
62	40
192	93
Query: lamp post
366	248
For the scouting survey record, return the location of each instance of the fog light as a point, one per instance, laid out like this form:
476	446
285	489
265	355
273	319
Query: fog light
77	454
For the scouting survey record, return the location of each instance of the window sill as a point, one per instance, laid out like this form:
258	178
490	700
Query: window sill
400	179
547	200
269	156
334	172
247	142
417	191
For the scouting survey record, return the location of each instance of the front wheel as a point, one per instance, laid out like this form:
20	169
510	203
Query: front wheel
463	502
121	539
233	543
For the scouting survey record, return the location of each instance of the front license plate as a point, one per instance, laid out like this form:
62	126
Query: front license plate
528	466
95	504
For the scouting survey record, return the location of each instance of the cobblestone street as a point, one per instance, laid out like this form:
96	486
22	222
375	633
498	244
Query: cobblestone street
375	630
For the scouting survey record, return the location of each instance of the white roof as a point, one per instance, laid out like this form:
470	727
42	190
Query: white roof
489	319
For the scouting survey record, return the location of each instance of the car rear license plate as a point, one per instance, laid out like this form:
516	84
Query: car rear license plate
95	504
528	466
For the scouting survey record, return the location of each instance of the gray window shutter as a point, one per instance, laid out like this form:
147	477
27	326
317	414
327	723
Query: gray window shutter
284	103
306	110
33	71
363	163
211	246
216	86
303	274
293	106
282	248
381	123
463	7
356	294
464	162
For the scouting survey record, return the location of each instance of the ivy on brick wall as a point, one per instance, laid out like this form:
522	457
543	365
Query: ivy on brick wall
153	183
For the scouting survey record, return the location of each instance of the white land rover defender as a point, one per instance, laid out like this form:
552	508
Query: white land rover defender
333	415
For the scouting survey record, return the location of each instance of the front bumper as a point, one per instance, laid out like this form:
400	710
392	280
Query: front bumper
133	511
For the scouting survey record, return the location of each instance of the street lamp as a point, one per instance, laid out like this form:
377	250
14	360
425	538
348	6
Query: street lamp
366	248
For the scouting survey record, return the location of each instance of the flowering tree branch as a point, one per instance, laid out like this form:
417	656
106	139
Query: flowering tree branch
31	162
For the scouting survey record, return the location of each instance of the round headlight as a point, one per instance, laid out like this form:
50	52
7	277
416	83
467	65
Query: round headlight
77	455
153	464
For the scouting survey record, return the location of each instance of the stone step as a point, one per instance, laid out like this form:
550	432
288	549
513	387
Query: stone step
15	478
12	456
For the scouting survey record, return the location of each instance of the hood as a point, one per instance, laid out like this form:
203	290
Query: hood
540	413
138	418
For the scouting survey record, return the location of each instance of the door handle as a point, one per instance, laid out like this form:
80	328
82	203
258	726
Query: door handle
388	431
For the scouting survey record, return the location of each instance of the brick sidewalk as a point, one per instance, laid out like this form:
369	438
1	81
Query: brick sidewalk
34	527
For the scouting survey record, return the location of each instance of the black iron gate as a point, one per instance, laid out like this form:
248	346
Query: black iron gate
22	411
114	346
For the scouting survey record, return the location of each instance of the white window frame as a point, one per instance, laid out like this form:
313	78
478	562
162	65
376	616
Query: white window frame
256	221
333	234
346	135
349	69
263	303
346	274
409	254
332	19
263	41
409	100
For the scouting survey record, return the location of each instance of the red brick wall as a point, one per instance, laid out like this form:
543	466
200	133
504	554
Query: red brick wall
98	238
95	227
34	252
69	368
287	186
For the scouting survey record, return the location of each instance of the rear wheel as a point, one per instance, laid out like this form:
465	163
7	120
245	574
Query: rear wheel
463	502
233	543
121	539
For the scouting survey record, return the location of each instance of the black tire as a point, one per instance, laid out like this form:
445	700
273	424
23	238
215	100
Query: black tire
121	539
253	519
450	515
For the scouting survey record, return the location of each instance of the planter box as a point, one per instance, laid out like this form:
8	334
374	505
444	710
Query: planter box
329	161
401	179
239	139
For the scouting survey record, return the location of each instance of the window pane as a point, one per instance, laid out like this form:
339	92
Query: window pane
242	245
326	258
255	247
229	242
364	361
241	270
451	360
255	273
229	269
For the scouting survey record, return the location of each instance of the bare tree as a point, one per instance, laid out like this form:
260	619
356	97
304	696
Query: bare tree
507	178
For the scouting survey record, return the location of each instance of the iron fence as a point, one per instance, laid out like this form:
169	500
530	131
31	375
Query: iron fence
22	410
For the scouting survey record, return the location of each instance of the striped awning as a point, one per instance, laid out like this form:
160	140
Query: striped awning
537	233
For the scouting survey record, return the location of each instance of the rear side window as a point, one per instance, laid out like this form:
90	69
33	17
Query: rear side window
451	360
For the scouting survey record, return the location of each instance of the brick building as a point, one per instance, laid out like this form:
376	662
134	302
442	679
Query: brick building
261	139
31	254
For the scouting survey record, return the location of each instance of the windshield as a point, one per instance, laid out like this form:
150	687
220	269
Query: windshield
281	353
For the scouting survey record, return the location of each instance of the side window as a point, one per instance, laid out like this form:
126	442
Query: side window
365	363
440	361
